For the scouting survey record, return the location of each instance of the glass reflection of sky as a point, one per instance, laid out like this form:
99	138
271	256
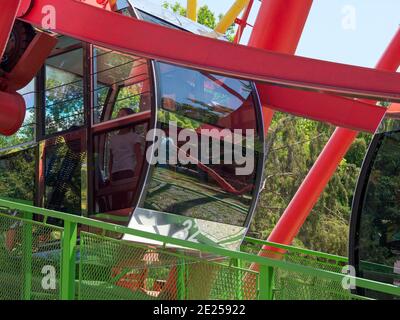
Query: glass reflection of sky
213	93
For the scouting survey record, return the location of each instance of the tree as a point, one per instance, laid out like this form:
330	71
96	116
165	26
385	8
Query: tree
204	16
293	145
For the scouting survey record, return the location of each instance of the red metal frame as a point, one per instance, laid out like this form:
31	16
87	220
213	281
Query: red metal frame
314	184
242	22
8	13
278	28
283	21
30	62
132	36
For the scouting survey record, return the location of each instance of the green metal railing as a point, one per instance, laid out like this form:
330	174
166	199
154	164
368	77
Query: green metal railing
82	260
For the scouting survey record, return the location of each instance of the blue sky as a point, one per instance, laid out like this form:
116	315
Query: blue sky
347	31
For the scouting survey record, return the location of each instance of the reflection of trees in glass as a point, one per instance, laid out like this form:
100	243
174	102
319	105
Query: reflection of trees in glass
64	102
380	220
63	177
17	173
119	74
128	97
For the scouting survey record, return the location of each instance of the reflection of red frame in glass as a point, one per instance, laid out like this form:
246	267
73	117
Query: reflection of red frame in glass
138	118
67	138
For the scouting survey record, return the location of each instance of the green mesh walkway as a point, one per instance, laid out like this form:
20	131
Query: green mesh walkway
39	261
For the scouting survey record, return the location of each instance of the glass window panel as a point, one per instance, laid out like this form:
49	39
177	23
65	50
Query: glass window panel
379	233
17	176
119	160
121	82
64	103
64	159
209	188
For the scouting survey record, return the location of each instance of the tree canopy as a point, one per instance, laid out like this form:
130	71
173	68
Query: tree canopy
204	16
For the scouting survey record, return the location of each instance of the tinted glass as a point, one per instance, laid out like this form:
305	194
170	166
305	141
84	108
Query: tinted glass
64	105
64	158
120	82
210	108
379	234
17	176
119	161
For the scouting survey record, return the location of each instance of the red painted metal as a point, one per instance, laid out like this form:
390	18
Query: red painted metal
132	36
243	22
278	27
8	12
342	112
307	195
24	7
12	112
31	61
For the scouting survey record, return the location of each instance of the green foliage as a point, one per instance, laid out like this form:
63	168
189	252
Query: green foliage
204	16
17	173
293	145
64	101
356	153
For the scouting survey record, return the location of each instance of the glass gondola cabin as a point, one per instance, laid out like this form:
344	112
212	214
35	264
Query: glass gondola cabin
83	146
375	224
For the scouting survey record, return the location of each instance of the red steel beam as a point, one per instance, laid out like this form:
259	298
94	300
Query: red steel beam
132	36
243	22
343	112
8	12
278	27
310	190
30	62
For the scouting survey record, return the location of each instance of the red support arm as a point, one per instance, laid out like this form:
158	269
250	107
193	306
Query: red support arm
343	112
310	190
278	27
8	13
243	22
132	36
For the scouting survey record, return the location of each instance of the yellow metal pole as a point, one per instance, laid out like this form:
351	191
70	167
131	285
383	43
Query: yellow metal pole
191	10
112	3
231	15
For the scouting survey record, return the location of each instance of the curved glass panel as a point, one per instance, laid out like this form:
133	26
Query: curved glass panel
207	155
64	105
120	82
119	162
378	216
64	158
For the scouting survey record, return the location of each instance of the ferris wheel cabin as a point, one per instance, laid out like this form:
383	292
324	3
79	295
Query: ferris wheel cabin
88	132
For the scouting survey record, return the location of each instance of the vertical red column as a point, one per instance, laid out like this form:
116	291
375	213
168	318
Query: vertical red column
278	27
310	190
243	22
